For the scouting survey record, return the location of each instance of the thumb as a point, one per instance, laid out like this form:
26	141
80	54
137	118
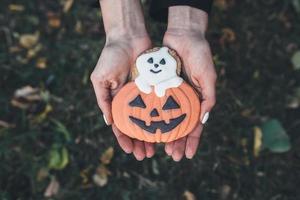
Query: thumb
104	91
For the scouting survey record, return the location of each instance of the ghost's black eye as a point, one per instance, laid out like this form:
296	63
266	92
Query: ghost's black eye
137	102
170	104
150	60
162	61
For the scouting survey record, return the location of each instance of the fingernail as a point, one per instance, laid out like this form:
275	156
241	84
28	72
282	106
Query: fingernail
105	120
205	118
189	154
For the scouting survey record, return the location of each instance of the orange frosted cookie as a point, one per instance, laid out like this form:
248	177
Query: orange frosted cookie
157	106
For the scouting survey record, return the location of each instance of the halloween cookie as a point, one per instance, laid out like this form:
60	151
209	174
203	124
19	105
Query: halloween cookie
157	105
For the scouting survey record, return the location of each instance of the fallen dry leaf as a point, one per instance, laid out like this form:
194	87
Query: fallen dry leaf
107	156
228	35
100	178
78	27
6	124
18	104
188	195
16	7
43	115
32	52
225	191
221	4
52	188
25	96
29	40
29	93
42	174
257	141
67	5
53	20
41	63
15	49
247	112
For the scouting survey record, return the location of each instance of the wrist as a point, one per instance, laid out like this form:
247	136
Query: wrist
184	20
126	34
123	19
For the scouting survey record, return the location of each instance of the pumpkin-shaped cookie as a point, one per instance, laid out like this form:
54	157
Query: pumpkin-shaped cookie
157	106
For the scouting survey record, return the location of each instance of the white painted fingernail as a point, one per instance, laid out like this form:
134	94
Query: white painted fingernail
205	118
105	120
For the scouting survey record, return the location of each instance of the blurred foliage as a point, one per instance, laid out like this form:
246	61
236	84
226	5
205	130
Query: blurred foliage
53	142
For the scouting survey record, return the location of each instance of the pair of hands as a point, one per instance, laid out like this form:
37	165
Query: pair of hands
111	73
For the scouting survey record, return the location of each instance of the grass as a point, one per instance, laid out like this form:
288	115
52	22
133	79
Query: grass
252	42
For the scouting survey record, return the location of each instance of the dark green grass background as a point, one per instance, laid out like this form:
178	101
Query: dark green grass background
256	77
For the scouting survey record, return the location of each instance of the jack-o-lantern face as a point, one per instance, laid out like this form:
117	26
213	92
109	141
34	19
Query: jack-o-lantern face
156	119
154	125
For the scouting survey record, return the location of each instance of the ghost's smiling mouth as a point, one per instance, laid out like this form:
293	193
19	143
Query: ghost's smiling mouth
155	72
162	125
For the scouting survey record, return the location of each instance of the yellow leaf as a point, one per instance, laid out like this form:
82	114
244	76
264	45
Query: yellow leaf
67	5
42	116
42	174
29	40
257	141
85	174
32	52
78	27
188	195
247	112
107	156
16	7
41	63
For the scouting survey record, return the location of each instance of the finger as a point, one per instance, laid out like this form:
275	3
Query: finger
192	141
102	91
205	84
149	149
124	141
116	86
169	148
179	149
138	150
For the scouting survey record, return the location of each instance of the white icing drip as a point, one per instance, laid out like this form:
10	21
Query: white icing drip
157	69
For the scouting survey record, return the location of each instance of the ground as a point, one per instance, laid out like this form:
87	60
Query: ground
53	141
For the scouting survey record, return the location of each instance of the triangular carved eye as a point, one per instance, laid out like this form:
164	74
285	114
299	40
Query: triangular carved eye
162	61
137	102
150	60
170	104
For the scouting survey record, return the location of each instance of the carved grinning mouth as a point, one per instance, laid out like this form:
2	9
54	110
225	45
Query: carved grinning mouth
162	125
155	72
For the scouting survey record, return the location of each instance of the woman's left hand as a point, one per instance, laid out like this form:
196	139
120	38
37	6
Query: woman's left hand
199	69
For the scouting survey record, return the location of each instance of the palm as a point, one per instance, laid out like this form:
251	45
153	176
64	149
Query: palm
199	71
108	77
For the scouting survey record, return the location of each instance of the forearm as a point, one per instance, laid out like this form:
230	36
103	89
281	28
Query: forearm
187	20
122	18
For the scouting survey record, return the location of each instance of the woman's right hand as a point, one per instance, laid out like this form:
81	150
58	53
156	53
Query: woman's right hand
108	77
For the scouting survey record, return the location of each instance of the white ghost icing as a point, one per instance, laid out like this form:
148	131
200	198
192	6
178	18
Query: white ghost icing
157	69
